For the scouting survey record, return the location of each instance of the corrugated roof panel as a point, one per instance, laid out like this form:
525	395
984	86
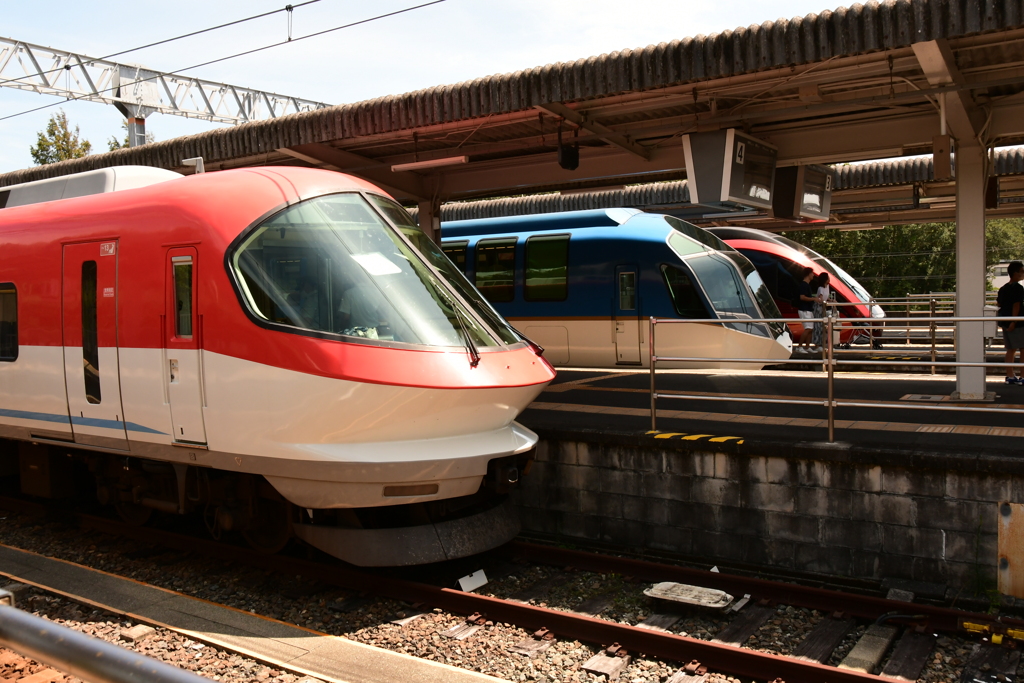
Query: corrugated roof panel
815	37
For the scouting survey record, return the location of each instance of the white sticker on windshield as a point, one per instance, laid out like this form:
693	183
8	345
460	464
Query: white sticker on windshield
375	263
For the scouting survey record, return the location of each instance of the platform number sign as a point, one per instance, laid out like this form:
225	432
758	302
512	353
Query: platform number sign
741	151
108	248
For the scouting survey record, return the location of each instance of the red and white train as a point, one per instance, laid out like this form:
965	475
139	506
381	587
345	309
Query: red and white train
279	349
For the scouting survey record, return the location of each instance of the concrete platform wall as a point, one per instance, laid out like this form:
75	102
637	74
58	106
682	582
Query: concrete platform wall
825	510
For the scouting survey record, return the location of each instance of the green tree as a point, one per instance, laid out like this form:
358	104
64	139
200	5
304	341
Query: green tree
915	259
58	142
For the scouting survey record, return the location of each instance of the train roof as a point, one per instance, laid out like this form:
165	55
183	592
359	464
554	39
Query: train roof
575	220
221	204
565	220
84	184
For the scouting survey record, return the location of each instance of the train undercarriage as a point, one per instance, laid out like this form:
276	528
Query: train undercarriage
246	505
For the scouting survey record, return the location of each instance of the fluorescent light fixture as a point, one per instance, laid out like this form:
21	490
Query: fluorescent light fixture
732	214
430	163
867	156
856	226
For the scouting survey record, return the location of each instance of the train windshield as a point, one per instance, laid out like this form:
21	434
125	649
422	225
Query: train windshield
452	275
829	266
699	234
728	292
332	265
761	294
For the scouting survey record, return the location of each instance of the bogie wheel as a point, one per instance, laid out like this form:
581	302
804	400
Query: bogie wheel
271	529
133	513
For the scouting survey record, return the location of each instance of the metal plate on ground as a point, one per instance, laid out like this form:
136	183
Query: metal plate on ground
928	398
689	595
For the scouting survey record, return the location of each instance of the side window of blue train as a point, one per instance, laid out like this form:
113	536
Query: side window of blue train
684	295
8	322
495	269
456	252
547	268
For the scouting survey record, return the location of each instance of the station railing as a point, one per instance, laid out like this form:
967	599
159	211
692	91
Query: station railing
829	360
78	654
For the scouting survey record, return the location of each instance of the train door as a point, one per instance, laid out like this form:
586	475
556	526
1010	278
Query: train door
183	365
91	371
627	316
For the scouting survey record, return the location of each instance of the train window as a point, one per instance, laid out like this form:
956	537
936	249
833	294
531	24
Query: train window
684	246
547	268
456	278
756	284
182	296
685	298
728	292
699	234
627	291
456	253
332	265
8	322
90	341
495	269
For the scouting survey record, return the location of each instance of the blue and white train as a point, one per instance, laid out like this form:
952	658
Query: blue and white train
582	284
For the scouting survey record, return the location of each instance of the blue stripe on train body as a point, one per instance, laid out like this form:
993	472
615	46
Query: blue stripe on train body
600	241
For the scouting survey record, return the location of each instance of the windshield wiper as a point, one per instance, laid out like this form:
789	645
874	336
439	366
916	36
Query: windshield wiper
474	355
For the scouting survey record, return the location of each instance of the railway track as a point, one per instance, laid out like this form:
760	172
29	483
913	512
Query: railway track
882	623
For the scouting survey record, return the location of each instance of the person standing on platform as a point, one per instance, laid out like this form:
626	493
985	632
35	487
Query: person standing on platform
822	294
805	309
1011	300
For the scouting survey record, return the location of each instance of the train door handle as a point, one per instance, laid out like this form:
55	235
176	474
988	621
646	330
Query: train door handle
174	371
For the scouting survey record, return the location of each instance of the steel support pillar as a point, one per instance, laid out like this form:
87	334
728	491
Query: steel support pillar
430	219
136	131
970	268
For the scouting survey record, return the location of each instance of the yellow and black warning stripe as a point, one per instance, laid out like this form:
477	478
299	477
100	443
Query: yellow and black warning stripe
682	436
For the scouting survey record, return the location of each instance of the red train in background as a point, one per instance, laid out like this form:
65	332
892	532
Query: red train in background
280	349
780	262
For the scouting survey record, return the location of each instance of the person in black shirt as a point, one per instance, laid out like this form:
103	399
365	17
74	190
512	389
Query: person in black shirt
805	309
1011	300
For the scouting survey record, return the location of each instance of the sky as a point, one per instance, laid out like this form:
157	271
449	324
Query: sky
449	42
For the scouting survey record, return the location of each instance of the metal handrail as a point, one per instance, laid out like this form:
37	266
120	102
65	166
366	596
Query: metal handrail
829	363
77	654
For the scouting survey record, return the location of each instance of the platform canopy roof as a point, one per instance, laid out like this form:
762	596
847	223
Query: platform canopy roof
859	82
864	195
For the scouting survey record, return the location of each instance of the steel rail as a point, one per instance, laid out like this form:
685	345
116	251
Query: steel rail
716	656
77	654
822	599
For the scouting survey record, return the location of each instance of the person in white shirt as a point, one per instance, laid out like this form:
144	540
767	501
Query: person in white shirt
820	299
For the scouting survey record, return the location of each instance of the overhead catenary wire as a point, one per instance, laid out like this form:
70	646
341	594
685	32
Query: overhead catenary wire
287	8
178	72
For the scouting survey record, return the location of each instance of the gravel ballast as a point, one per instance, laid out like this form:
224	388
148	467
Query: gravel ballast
367	619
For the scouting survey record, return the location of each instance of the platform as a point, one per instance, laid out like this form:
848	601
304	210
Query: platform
912	494
619	400
273	642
